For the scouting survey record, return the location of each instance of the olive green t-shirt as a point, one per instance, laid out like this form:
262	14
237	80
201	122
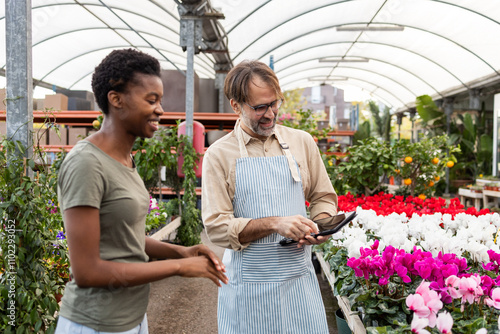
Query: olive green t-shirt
90	177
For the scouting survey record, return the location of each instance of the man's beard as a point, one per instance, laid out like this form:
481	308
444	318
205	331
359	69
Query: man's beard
254	125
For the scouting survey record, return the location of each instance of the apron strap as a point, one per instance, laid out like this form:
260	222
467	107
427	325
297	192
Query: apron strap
241	142
291	163
284	146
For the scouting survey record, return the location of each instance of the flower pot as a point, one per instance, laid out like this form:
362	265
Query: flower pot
391	180
342	325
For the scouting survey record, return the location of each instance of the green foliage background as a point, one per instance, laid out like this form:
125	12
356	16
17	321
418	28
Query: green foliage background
25	200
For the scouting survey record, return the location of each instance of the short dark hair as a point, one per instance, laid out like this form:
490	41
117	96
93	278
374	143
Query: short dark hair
117	69
239	77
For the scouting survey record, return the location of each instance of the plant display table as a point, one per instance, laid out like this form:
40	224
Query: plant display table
486	182
352	318
477	197
164	233
487	194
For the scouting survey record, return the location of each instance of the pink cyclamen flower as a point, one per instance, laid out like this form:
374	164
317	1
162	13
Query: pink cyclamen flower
418	325
431	297
452	284
487	284
423	287
416	304
470	288
494	301
444	322
432	303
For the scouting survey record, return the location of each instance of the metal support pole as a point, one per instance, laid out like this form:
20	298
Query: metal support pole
19	92
352	116
413	112
191	39
399	122
496	115
219	84
190	78
474	99
448	109
356	118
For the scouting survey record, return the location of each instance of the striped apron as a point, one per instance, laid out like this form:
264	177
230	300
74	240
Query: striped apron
272	288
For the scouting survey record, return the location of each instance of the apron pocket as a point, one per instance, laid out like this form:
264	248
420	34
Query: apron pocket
273	263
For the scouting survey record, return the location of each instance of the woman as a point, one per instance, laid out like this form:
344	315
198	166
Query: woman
104	204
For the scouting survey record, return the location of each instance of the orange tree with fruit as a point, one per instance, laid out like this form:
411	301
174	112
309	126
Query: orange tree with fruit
363	169
421	165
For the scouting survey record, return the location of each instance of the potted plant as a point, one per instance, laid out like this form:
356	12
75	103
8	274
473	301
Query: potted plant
475	188
157	216
492	186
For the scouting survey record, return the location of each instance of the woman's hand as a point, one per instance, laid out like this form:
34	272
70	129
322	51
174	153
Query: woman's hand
201	266
202	250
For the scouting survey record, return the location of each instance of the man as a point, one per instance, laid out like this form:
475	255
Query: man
256	180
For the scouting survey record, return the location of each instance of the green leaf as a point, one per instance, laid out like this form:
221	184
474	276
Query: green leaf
38	325
33	316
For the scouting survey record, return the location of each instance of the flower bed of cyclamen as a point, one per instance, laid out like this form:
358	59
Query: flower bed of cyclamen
426	265
386	204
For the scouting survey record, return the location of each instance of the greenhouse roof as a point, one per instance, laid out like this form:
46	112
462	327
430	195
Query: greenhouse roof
395	50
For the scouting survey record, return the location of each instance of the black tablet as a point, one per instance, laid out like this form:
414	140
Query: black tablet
347	220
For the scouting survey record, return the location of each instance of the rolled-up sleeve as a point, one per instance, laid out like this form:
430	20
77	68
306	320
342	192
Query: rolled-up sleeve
222	227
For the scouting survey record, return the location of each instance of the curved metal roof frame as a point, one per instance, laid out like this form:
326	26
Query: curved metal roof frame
110	47
383	23
371	19
385	44
357	78
382	61
442	47
113	9
171	52
354	79
206	60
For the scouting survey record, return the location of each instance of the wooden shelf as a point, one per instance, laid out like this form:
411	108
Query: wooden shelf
211	121
67	148
341	133
75	118
338	154
56	148
86	117
168	191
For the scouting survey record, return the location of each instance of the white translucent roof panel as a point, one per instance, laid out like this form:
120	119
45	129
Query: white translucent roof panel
444	44
443	47
70	38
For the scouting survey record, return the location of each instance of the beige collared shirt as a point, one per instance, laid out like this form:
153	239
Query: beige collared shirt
218	181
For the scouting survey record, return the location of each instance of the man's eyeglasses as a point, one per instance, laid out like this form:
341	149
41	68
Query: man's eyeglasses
261	109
